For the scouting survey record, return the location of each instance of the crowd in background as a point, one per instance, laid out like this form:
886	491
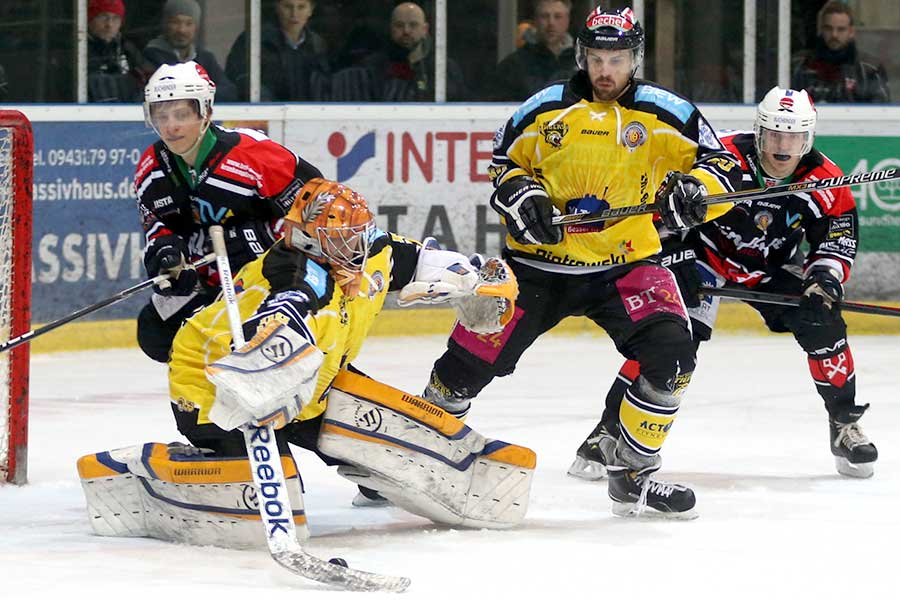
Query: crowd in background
391	57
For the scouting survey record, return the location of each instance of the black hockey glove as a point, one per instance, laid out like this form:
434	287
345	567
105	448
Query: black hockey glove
166	254
822	290
525	206
679	201
680	258
246	242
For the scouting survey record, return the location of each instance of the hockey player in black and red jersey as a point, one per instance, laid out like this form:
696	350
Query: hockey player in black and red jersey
756	245
199	174
601	140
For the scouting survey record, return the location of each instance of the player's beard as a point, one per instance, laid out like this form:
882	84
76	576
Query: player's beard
608	92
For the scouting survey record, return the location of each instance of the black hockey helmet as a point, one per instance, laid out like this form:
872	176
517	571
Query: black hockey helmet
610	30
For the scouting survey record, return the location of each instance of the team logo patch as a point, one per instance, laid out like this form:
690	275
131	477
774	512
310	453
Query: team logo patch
368	417
625	247
634	135
587	204
249	497
554	133
376	285
762	219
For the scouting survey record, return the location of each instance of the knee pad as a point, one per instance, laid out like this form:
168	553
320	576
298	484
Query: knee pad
667	355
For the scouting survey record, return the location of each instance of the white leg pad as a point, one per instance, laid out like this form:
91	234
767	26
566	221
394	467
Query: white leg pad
422	458
141	492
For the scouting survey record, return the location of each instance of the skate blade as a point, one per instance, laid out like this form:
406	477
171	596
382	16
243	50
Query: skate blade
589	470
362	501
856	470
629	510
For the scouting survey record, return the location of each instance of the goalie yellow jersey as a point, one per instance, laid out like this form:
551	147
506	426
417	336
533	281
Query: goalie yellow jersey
286	285
592	156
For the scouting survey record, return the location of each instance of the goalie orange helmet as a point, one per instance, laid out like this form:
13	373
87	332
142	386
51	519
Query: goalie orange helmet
332	224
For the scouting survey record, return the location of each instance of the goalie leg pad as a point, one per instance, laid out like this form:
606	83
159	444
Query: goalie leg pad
142	491
424	459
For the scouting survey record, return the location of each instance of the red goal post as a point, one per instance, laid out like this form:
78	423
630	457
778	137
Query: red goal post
16	173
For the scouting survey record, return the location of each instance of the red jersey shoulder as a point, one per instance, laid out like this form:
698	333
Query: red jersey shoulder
834	201
259	162
734	142
145	165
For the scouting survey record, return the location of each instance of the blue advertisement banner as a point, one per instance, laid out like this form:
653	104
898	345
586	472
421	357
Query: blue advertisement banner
86	234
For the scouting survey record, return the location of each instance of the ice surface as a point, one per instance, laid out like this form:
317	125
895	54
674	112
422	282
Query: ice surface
776	521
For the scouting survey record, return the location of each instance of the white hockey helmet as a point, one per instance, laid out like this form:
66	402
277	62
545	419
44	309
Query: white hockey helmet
182	81
785	122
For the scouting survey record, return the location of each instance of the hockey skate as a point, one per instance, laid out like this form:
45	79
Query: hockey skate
594	454
368	498
635	493
854	454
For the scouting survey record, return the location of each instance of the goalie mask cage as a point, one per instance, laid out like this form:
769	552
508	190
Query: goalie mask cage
16	157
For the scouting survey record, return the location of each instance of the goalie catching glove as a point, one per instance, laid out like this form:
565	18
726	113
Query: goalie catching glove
483	291
267	382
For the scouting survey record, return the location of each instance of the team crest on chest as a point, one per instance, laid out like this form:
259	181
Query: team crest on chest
634	135
376	284
762	219
554	133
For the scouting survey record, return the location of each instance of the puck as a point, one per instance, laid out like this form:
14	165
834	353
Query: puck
338	561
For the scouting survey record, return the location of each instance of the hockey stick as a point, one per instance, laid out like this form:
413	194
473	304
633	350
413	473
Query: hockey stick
268	476
794	300
159	279
757	194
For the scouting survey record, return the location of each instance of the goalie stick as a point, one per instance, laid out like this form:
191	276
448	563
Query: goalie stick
268	476
159	279
757	194
794	300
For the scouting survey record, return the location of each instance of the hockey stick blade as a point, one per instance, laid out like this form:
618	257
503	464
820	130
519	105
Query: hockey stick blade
268	477
744	195
300	562
119	296
794	300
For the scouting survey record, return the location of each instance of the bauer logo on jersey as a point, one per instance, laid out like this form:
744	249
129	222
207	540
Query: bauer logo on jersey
634	135
554	133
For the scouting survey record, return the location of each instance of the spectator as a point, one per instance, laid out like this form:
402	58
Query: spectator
294	58
116	70
835	70
404	71
546	57
177	44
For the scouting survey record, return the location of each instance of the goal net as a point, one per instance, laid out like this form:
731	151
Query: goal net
16	155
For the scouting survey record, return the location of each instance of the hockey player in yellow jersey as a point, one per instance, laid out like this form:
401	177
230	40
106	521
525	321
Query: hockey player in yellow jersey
306	307
601	140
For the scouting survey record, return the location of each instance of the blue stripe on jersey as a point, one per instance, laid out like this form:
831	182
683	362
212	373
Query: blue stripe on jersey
554	93
316	277
681	108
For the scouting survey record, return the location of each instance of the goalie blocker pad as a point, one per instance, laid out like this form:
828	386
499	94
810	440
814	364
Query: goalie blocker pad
143	491
422	458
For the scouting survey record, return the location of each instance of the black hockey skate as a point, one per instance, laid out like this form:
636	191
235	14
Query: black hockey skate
369	498
854	454
636	493
594	454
